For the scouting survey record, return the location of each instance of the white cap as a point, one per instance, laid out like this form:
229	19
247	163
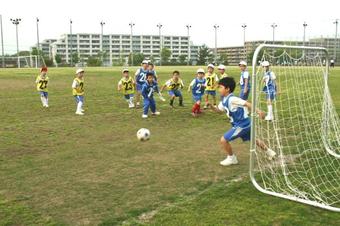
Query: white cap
221	67
211	65
200	70
125	70
265	64
79	70
243	63
145	62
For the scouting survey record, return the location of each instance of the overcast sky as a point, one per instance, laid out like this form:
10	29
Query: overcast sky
174	15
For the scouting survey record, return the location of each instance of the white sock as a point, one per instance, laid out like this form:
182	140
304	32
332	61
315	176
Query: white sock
79	106
46	101
131	100
43	100
270	110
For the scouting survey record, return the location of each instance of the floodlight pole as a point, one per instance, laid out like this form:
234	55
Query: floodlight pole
188	35
215	27
244	41
16	22
131	24
304	32
336	38
102	23
274	25
2	44
38	42
71	43
160	42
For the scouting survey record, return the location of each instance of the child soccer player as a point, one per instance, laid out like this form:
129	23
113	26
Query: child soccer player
174	86
151	69
270	88
140	80
42	81
221	70
211	85
237	110
244	81
197	86
78	91
148	88
127	86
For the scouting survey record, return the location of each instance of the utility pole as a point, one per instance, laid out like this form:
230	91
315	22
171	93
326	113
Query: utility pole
160	42
38	42
131	24
336	38
102	23
71	43
2	44
16	22
274	26
215	27
304	32
189	50
244	41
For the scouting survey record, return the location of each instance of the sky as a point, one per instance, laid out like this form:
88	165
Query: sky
174	15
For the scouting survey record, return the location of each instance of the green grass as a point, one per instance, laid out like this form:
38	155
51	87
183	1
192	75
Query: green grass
57	168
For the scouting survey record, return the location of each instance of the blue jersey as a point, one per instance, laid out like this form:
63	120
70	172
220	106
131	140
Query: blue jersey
235	110
244	75
153	72
269	80
148	89
141	76
198	86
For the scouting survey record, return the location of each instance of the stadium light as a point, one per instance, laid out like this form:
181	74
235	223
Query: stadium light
274	25
2	44
71	43
131	24
160	42
38	42
188	34
102	23
16	22
244	41
304	32
215	27
336	38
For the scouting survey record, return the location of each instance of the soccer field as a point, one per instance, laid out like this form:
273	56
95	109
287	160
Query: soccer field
57	168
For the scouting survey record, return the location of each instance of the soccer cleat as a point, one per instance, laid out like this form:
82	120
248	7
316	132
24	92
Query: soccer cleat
230	160
79	113
270	154
269	118
144	116
137	104
156	113
131	105
46	106
205	106
194	114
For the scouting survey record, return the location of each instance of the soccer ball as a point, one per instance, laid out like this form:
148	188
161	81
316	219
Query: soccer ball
143	134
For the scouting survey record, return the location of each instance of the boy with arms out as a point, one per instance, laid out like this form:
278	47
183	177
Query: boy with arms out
127	85
174	86
237	110
244	81
148	88
42	81
197	86
78	91
211	85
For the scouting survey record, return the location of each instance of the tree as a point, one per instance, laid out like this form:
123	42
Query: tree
223	59
204	55
94	61
137	59
165	53
182	59
57	58
75	58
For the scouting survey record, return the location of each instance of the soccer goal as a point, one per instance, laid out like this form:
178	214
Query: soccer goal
304	132
32	61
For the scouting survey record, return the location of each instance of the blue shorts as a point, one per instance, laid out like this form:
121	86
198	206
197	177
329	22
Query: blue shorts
244	96
211	92
270	95
79	98
197	97
43	94
238	132
128	96
175	93
139	87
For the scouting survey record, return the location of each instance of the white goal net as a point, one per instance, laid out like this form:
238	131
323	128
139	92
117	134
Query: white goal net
32	61
304	131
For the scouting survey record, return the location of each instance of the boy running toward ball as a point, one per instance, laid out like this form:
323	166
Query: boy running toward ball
237	111
148	88
197	87
42	82
78	91
174	86
127	86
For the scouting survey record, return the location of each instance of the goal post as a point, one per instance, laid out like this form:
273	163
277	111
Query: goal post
30	61
304	131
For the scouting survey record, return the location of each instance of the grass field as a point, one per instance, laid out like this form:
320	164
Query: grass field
57	168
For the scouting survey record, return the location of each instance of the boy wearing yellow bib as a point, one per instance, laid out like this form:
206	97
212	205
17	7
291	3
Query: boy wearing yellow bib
174	86
127	86
41	82
78	91
211	85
